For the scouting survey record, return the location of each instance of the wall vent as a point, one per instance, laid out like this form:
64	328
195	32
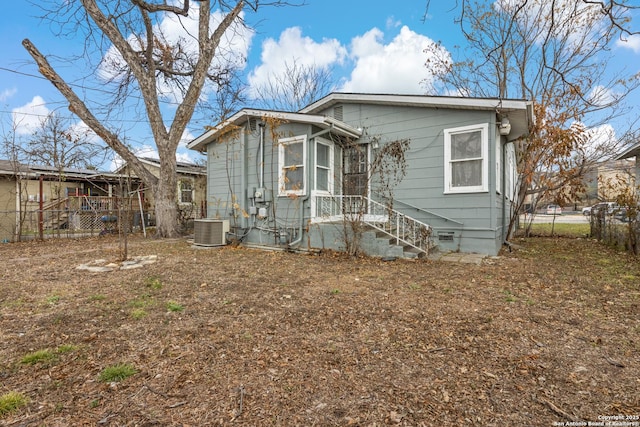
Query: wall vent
253	124
210	232
445	236
337	112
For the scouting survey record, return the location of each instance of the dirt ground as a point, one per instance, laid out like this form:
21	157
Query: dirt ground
547	335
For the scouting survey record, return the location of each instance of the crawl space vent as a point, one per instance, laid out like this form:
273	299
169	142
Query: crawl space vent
445	236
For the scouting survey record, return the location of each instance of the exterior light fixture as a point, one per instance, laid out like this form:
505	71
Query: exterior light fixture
504	127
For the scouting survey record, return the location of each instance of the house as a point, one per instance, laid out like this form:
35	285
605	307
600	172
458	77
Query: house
633	152
294	180
192	180
35	199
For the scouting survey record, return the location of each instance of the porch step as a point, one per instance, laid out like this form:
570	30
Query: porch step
386	246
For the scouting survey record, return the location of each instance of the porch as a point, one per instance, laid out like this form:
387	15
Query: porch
391	227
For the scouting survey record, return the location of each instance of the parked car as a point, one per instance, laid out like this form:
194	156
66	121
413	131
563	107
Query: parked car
554	210
609	207
623	215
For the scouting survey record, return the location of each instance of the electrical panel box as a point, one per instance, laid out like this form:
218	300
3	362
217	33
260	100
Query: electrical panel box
262	212
260	194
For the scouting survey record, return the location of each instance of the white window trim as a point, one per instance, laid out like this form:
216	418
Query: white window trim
193	193
484	187
512	172
330	183
282	142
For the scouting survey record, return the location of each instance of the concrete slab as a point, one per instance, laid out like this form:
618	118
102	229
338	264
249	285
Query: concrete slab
460	257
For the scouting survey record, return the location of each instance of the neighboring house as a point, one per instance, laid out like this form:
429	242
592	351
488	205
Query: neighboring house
192	181
631	153
614	177
67	199
292	179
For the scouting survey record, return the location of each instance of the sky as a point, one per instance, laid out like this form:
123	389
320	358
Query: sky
371	46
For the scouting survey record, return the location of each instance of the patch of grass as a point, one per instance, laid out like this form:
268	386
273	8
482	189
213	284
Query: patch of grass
509	297
97	297
142	301
66	348
115	373
138	313
335	291
561	229
12	401
153	283
174	306
415	287
53	299
40	356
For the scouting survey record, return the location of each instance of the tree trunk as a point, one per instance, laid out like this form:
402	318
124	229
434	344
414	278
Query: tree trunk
165	194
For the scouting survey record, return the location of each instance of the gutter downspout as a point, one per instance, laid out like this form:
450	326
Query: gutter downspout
261	125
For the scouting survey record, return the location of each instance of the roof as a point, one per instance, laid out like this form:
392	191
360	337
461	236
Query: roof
337	127
632	151
7	167
34	171
519	112
184	168
181	167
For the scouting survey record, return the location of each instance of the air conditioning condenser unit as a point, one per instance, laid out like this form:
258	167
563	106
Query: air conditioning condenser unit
210	232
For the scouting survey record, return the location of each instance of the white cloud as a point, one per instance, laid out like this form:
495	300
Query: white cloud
392	22
579	24
602	96
397	67
7	93
292	47
599	142
81	130
187	137
184	157
27	119
630	42
180	34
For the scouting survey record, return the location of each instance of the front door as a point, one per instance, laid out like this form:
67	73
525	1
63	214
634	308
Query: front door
355	161
355	181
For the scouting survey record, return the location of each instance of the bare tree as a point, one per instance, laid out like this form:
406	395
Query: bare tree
13	156
296	87
554	53
57	143
142	62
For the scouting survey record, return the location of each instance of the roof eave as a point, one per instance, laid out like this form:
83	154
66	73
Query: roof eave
632	151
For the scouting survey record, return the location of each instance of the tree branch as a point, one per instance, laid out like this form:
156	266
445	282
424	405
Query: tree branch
78	107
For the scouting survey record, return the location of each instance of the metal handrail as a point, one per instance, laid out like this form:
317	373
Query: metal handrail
395	224
428	212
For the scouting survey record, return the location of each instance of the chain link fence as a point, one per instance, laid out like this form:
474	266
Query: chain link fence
614	230
61	223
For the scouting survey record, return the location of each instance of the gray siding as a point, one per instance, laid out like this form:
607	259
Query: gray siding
474	220
423	186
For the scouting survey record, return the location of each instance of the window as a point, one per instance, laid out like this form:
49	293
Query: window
466	159
186	192
292	157
324	166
